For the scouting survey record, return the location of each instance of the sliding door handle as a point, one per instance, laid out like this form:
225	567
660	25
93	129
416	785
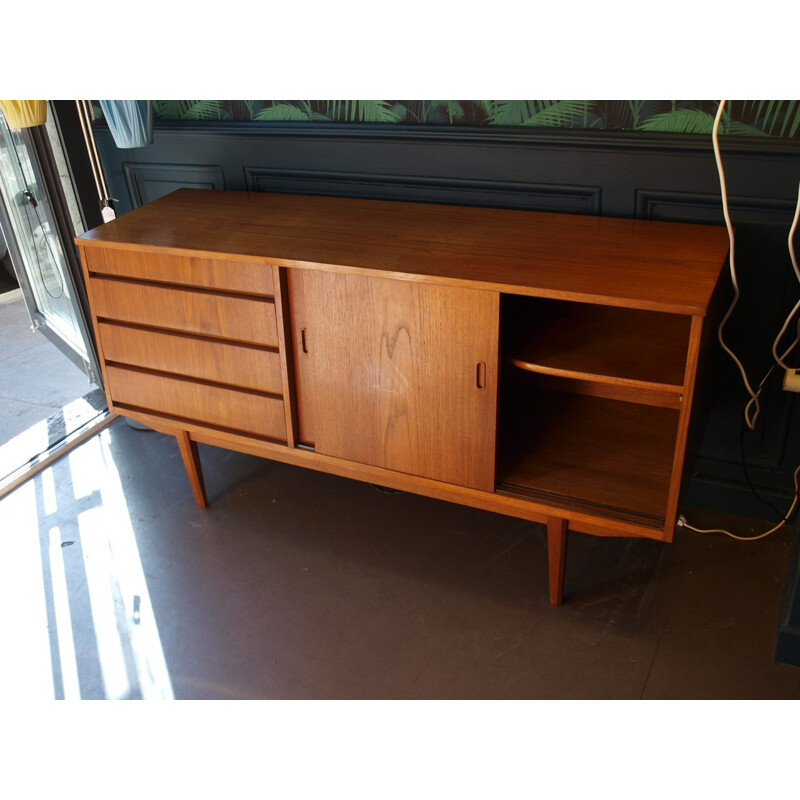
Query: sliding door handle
480	375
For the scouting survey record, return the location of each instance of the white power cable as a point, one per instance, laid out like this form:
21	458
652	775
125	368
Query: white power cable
779	359
753	402
682	523
724	191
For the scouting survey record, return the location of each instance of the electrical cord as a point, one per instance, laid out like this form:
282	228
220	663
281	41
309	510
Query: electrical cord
734	280
779	359
753	403
749	480
682	523
85	118
739	444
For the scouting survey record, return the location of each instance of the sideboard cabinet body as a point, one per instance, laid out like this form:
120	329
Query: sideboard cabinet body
537	365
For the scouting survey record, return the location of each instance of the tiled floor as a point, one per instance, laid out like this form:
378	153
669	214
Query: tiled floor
295	584
40	388
27	358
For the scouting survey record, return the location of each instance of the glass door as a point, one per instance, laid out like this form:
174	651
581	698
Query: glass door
46	405
38	253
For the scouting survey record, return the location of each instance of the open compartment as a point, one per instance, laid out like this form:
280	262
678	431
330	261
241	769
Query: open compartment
611	456
590	406
641	354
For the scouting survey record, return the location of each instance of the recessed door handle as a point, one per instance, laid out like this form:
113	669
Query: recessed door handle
480	375
303	342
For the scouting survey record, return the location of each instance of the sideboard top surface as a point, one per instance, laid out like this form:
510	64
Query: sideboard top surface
638	263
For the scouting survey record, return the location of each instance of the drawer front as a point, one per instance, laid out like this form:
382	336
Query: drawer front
239	365
239	318
231	276
211	405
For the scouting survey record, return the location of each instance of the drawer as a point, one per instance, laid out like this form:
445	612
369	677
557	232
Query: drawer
211	273
239	365
215	406
193	311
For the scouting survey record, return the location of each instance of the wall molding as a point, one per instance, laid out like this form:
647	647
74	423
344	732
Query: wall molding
673	206
198	176
509	194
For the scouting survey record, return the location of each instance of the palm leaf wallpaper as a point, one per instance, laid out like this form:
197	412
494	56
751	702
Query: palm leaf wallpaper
775	118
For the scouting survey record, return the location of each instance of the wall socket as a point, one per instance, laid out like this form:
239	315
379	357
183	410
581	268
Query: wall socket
791	380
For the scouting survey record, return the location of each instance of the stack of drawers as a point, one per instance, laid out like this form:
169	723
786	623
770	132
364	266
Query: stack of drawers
189	339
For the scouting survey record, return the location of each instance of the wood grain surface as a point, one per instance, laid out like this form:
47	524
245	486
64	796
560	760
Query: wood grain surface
226	316
635	263
221	407
397	374
615	455
192	356
625	346
225	274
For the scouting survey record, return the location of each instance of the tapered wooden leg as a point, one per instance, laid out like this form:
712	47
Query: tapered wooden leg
557	557
191	460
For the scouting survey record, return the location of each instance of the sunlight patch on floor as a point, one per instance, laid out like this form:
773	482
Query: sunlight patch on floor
25	669
38	592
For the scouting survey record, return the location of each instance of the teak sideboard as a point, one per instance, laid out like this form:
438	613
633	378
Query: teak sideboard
537	365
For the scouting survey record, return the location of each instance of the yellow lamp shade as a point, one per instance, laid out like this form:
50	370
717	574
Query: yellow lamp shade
24	113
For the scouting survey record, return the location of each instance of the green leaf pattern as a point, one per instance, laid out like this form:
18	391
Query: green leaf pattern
776	118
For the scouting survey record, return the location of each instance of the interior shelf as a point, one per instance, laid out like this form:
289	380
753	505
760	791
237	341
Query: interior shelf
621	347
609	456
